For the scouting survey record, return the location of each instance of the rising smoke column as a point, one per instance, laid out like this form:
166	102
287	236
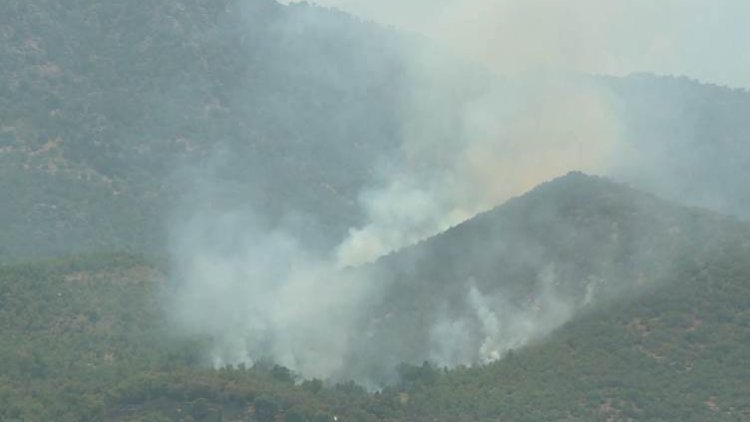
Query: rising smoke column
260	295
470	139
506	138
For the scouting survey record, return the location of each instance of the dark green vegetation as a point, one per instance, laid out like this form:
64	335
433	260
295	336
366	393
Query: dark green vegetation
672	346
566	248
84	339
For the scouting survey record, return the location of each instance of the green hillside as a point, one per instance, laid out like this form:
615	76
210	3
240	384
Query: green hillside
116	116
85	339
582	300
110	112
679	353
515	273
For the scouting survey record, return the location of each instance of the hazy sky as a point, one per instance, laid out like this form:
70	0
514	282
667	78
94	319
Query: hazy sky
703	39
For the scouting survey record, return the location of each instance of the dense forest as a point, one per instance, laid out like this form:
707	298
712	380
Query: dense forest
584	299
85	338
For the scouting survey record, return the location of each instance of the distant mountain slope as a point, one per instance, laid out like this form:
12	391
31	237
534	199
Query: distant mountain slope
103	104
688	141
110	114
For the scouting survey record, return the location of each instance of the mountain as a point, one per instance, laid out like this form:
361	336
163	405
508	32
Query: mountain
687	140
113	113
661	335
581	300
512	275
657	325
116	118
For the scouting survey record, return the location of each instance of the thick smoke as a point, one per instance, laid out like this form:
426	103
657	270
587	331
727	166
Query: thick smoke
502	325
469	140
503	141
259	295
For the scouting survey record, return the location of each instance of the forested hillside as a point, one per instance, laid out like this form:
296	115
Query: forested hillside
114	115
512	275
178	177
85	339
109	109
662	335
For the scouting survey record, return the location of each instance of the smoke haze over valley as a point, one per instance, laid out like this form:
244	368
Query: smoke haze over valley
256	207
466	137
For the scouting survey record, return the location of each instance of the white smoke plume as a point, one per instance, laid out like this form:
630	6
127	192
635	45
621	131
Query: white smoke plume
502	325
469	141
505	142
261	296
549	122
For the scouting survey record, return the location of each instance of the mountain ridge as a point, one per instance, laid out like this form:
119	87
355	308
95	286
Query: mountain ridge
99	133
570	245
591	364
583	299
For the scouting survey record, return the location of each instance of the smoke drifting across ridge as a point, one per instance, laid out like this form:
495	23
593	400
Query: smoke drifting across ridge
263	288
501	142
613	37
